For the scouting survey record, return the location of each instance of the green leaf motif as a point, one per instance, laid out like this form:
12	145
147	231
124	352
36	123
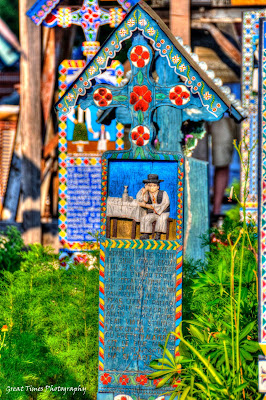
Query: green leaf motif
140	117
140	77
120	97
160	96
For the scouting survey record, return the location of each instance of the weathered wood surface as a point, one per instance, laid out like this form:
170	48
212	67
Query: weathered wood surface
30	69
196	198
7	139
196	208
9	212
168	119
228	48
180	19
48	73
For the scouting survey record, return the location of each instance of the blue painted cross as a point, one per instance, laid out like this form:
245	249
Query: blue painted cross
141	96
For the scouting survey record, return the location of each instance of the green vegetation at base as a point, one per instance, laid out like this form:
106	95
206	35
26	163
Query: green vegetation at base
52	319
219	336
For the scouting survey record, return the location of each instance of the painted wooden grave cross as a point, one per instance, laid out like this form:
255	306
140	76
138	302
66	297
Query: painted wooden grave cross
142	196
185	93
89	17
80	167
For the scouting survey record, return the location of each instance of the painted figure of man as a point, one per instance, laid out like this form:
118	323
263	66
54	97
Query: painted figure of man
103	137
156	205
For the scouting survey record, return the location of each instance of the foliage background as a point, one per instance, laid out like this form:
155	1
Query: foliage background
52	317
9	13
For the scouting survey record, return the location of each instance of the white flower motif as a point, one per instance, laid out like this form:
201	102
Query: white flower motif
151	31
70	97
207	96
142	22
131	22
175	59
122	32
100	60
182	68
91	70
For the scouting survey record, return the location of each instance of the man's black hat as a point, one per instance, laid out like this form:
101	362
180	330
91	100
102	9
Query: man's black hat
153	178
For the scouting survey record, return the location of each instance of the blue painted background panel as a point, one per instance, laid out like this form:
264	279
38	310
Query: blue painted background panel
128	173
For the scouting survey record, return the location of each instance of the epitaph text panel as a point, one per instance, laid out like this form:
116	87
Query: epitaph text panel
140	293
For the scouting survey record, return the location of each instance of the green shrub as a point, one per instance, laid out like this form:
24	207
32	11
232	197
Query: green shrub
11	245
52	316
80	132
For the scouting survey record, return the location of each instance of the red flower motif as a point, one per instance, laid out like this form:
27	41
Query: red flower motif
140	56
102	97
141	380
106	378
140	135
124	380
141	97
90	15
178	96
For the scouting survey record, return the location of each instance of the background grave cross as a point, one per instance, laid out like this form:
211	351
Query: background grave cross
89	17
141	95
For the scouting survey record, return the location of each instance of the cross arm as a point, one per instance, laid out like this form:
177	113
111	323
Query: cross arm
105	96
180	97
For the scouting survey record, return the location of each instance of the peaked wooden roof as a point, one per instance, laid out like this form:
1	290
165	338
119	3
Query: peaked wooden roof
143	18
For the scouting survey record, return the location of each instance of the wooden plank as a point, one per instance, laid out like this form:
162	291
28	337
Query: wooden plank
50	146
45	185
196	208
55	186
228	48
48	74
13	187
7	139
180	19
30	66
